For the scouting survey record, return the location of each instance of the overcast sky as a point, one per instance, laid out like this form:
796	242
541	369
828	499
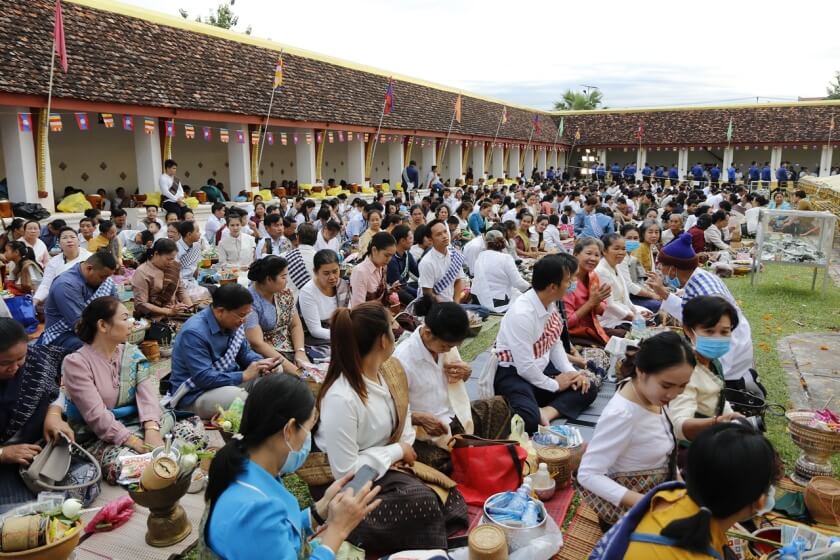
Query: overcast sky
650	52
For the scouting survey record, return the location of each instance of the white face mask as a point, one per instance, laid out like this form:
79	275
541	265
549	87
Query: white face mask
769	502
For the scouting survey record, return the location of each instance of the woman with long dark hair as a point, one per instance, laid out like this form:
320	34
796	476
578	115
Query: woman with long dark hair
250	513
23	273
365	420
319	298
367	281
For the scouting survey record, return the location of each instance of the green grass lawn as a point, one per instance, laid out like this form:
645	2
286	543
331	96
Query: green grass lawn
781	296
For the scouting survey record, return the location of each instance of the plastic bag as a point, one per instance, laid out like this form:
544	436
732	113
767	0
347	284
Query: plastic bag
22	310
76	203
543	547
266	194
152	199
191	202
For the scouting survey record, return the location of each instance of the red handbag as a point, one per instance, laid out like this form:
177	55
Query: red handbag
483	467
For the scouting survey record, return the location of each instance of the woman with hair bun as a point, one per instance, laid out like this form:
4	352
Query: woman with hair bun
23	273
634	448
112	400
367	281
273	327
158	291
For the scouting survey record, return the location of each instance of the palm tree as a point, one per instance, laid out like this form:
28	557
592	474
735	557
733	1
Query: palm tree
579	101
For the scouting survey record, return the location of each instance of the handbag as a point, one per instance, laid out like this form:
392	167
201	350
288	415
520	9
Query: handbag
64	466
638	481
483	467
23	311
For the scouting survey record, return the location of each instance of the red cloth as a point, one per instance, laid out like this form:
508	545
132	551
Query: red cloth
698	239
58	36
588	326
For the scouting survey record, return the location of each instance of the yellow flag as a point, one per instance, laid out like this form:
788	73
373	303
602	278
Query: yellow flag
278	72
458	108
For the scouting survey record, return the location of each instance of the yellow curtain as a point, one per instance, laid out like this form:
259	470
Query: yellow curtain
440	152
319	154
255	155
407	151
488	157
42	148
372	140
465	155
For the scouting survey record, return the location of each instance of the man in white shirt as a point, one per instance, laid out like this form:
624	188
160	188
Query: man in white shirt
329	237
215	222
534	373
135	242
472	249
237	248
551	235
152	216
70	254
356	220
675	228
189	255
274	243
442	268
171	190
431	177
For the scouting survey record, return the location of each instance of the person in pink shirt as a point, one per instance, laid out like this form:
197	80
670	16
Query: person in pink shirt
112	400
367	281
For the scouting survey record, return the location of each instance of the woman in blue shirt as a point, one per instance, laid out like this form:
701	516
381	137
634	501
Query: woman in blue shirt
250	513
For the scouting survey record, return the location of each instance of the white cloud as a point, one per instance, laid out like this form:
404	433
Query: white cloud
654	52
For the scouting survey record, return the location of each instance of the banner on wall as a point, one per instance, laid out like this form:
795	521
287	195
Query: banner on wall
82	120
269	137
189	131
240	137
208	133
170	129
25	122
224	135
148	125
128	122
106	119
255	137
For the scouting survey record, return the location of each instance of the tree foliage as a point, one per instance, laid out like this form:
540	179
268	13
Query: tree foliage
833	88
223	16
580	100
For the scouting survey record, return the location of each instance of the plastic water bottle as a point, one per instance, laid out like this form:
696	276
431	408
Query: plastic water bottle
520	499
542	479
639	325
531	517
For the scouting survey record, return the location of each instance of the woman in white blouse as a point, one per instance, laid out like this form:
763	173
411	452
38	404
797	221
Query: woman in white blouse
634	448
497	282
239	247
620	310
318	299
365	421
31	231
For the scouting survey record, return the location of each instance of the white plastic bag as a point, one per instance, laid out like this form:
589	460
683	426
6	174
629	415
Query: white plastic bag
487	377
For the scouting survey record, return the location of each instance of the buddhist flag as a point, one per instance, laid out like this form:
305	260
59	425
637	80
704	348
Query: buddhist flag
55	123
255	137
561	127
295	139
330	137
208	133
269	137
284	139
577	134
58	37
82	120
458	108
170	129
128	122
223	135
641	132
389	98
537	127
189	131
308	138
148	125
240	137
504	115
340	136
107	119
729	131
25	122
278	71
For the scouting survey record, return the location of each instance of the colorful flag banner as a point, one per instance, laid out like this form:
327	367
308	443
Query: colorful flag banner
577	134
148	125
278	72
340	136
389	98
240	137
255	137
25	122
128	122
224	135
308	138
189	131
269	137
284	139
208	133
458	108
381	138
537	127
729	131
55	123
107	119
330	137
641	132
170	128
295	139
82	120
366	137
58	37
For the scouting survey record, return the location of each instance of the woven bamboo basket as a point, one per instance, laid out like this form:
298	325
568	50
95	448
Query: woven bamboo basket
488	542
559	461
316	470
822	498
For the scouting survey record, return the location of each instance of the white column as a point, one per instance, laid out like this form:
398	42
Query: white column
356	161
561	163
641	158
428	159
454	161
602	157
19	157
513	162
396	163
542	161
825	161
728	156
497	162
529	162
148	157
305	157
478	161
682	162
775	160
239	160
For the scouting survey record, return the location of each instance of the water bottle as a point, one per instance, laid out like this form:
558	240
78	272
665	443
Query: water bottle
639	325
542	479
531	517
520	499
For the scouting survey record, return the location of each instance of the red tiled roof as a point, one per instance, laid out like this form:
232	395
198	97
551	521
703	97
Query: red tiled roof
704	127
125	60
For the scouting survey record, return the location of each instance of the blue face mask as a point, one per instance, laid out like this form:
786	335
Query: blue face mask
769	502
712	346
631	245
572	287
296	459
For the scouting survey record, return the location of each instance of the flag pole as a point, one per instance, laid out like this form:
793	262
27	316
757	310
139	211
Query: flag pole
265	129
446	142
378	128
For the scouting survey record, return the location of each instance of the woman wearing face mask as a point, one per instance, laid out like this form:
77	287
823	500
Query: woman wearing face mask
366	420
633	448
586	298
620	311
249	511
708	322
686	523
634	274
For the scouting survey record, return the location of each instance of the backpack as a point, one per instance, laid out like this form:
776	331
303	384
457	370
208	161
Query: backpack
614	543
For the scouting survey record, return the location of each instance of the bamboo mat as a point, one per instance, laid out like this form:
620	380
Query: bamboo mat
581	536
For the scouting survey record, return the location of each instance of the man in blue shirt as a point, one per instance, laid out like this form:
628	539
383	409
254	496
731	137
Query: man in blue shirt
411	177
715	174
755	173
601	172
647	172
659	173
674	173
212	362
766	174
50	233
630	172
731	173
70	293
550	174
590	223
697	173
782	175
616	171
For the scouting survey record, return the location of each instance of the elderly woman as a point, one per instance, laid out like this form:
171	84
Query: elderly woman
367	281
497	282
30	408
274	328
158	292
318	299
31	234
71	254
649	232
620	310
586	300
366	421
23	274
113	400
418	218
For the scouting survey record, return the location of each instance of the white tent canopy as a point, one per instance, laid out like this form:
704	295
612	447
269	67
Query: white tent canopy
832	183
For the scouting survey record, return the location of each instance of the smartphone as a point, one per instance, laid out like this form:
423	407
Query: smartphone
363	476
